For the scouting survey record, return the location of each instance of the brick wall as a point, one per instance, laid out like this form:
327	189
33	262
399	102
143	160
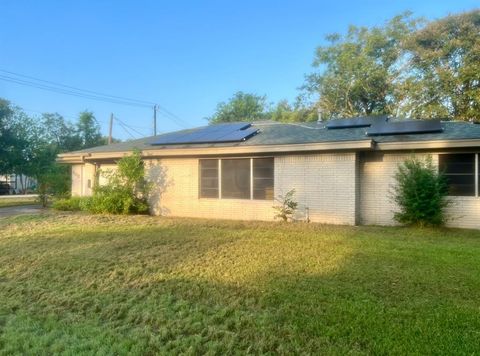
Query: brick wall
376	178
324	183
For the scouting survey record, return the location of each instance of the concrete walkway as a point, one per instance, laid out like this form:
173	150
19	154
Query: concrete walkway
19	196
19	210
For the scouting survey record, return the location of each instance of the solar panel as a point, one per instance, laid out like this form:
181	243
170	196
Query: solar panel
405	127
208	134
362	121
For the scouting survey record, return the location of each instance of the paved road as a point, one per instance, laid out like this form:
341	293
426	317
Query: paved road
19	210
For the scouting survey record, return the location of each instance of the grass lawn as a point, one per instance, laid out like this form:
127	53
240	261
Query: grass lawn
16	201
73	283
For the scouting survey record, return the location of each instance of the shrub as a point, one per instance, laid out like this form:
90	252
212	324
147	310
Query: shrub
287	206
126	191
70	204
420	193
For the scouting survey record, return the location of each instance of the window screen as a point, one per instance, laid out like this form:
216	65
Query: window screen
208	178
459	169
263	178
236	178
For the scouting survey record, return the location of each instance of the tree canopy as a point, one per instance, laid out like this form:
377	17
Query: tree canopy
408	68
29	146
241	107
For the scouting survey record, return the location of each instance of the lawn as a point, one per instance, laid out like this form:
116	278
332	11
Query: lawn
73	283
16	201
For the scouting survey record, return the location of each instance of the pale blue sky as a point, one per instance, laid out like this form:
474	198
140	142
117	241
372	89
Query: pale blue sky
184	55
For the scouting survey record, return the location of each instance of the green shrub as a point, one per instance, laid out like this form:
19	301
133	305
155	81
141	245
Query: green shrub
126	191
420	193
70	204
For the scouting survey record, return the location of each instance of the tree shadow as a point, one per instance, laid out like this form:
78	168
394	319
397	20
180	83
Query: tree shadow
158	178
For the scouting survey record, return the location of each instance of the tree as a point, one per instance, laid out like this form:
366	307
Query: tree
445	61
89	130
7	137
358	72
284	112
60	132
240	107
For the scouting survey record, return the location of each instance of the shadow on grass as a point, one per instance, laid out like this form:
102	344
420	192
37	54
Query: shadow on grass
235	287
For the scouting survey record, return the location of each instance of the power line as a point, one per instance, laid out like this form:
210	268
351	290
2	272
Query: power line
79	89
128	126
127	131
85	93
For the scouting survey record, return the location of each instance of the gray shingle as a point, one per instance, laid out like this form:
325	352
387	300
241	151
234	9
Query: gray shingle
272	133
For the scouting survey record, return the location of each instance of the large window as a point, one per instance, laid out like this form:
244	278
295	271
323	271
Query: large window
242	178
461	171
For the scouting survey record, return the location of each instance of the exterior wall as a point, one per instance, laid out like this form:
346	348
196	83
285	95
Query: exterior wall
376	178
324	183
83	178
335	188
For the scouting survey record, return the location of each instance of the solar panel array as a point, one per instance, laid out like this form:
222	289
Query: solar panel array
234	132
362	121
405	127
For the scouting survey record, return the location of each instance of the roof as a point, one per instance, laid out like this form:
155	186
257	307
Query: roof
274	134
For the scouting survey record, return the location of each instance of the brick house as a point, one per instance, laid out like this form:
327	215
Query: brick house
342	174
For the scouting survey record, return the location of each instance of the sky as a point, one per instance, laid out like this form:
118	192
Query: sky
186	56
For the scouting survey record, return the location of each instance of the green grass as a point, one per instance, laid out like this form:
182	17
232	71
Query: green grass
16	201
74	284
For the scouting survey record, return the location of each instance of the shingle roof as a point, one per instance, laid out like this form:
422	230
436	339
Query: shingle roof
273	133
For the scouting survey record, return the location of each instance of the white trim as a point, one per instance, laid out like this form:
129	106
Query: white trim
439	144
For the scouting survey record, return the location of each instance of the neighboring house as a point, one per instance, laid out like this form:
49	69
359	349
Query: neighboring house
16	184
342	171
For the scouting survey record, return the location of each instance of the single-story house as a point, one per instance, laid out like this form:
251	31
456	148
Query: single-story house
342	170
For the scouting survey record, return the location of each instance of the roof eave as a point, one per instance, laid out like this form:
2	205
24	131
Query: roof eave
431	144
73	158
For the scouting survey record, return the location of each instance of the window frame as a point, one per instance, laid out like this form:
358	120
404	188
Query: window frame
220	167
476	173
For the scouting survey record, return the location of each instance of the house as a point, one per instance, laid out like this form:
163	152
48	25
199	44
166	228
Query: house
342	170
16	184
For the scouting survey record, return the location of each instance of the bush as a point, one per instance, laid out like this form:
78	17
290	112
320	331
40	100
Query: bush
287	206
420	193
126	191
71	204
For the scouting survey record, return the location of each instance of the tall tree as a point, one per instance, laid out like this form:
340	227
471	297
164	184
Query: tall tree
61	133
357	73
89	130
445	61
7	137
241	107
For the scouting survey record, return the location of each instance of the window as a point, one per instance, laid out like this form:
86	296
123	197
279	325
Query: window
208	178
242	178
263	178
460	169
236	178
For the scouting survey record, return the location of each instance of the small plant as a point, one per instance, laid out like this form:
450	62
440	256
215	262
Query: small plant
420	193
287	206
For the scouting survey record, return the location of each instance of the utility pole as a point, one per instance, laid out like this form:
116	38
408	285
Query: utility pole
155	120
110	130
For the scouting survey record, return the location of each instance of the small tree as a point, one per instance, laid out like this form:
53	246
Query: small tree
287	206
126	191
420	193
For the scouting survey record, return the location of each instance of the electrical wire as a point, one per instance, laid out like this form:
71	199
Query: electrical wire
87	94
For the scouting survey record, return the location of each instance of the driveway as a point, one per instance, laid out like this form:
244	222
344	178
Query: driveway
19	210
